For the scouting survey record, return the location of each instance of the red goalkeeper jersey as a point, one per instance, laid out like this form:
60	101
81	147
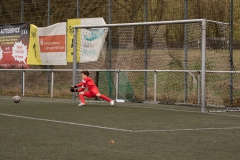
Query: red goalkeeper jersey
88	82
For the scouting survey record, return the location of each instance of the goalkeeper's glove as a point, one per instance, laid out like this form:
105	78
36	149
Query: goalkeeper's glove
73	89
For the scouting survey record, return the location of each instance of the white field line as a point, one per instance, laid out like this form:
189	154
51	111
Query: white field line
187	111
188	129
166	109
118	129
64	122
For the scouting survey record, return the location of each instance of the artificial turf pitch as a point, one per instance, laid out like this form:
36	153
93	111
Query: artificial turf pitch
54	129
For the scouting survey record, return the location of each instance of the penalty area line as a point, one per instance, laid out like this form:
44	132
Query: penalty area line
187	129
118	129
64	122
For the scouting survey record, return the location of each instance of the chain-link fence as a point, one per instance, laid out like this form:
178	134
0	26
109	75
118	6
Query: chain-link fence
46	12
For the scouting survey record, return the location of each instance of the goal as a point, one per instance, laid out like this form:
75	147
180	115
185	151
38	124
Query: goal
162	62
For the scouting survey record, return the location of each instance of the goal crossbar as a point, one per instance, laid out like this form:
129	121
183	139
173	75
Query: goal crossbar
143	23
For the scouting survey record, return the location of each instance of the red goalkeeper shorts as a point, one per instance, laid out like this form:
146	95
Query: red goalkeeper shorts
91	93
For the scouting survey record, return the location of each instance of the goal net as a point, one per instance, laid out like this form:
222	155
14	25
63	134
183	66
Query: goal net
159	61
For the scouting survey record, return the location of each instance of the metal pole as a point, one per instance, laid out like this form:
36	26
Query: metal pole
74	62
78	9
49	12
48	66
110	44
110	34
203	69
147	23
145	49
117	78
185	51
231	51
199	88
78	64
155	86
23	89
22	10
52	84
22	20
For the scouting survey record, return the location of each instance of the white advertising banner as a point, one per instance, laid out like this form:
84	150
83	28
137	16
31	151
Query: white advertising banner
52	44
91	40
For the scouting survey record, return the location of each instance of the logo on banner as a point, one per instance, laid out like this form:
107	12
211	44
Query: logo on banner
54	43
95	34
19	52
92	43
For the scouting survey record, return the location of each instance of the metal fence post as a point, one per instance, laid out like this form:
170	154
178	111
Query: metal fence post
52	85
110	44
155	86
185	51
231	51
203	69
145	49
199	88
22	10
23	82
110	34
22	20
48	66
117	81
74	62
78	9
77	64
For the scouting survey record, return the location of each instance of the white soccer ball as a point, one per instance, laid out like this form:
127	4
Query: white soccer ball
16	99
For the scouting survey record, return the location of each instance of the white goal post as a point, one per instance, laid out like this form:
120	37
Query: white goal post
202	22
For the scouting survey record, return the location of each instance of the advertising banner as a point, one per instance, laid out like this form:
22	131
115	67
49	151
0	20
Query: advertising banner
90	41
52	44
70	24
14	41
33	48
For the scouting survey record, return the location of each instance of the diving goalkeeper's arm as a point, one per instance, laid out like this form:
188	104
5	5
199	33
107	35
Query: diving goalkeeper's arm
77	87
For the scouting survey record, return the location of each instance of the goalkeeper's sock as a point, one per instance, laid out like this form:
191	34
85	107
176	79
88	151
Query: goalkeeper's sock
105	98
82	98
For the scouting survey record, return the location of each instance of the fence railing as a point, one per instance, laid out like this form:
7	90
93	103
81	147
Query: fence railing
126	85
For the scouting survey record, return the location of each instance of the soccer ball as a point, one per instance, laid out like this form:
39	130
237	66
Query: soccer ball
16	99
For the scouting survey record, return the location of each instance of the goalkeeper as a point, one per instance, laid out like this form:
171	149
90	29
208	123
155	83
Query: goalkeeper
93	91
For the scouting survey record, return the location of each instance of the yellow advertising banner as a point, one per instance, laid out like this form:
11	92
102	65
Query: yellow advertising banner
33	48
70	31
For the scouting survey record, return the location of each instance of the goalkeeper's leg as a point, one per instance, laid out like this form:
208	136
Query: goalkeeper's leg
81	97
96	92
105	98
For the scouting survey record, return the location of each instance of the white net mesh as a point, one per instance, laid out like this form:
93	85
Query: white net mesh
168	47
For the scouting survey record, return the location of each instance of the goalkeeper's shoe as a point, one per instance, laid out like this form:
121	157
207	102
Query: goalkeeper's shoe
81	104
112	102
